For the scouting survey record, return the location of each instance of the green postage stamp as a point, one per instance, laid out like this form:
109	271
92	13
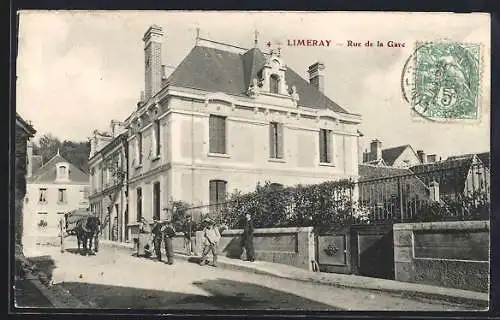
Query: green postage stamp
441	80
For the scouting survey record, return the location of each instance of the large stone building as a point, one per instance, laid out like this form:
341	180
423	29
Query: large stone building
108	181
226	119
24	132
53	189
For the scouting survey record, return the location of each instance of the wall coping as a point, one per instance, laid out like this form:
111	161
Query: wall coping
270	230
443	225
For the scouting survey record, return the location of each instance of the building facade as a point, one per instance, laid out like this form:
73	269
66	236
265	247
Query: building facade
54	189
226	119
24	132
108	182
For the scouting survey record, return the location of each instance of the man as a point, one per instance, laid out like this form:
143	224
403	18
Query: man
168	234
144	245
211	237
157	235
248	238
189	235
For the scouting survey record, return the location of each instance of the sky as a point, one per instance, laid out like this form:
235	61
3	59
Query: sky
78	70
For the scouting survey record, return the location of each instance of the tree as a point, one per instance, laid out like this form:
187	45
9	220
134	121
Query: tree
75	152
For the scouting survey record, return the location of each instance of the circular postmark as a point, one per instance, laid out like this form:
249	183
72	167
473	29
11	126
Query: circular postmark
441	80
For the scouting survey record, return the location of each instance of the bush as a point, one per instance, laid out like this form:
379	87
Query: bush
317	205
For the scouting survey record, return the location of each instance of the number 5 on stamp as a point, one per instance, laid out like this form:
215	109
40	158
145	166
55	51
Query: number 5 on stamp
441	80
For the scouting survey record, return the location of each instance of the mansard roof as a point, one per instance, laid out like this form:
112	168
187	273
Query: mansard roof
216	70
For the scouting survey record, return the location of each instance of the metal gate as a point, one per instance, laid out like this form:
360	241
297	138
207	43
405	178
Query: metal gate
366	250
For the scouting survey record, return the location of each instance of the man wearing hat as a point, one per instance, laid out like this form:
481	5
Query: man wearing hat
211	237
157	235
189	235
168	234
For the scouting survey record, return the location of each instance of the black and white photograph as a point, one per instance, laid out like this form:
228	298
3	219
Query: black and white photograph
252	160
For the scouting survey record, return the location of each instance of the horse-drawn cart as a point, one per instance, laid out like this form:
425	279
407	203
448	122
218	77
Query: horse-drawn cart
80	223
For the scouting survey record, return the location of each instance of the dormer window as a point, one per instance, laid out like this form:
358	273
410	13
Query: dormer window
274	83
62	172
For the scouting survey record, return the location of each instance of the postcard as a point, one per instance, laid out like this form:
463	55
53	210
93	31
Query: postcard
205	160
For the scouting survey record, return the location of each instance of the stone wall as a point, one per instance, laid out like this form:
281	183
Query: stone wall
448	254
291	246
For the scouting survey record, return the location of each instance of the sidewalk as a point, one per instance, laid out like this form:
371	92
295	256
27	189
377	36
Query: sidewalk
340	280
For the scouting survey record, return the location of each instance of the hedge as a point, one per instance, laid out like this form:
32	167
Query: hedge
272	205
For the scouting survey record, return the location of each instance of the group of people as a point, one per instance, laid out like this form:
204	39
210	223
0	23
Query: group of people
165	231
159	231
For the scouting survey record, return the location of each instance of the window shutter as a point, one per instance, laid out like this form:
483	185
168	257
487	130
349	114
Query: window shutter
272	140
322	145
211	133
213	192
329	146
222	135
221	191
279	141
217	134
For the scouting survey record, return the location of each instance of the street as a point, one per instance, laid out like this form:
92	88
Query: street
113	278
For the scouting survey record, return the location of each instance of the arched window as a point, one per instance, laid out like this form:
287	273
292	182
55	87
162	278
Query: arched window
274	83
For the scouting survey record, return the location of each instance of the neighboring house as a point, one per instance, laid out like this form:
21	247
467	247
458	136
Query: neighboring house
398	157
380	189
53	189
227	118
457	176
108	182
24	132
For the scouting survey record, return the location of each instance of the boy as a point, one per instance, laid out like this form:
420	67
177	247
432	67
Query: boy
211	237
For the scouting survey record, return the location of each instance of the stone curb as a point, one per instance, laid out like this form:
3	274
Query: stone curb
479	300
58	297
475	301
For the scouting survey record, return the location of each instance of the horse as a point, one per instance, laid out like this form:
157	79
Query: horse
86	230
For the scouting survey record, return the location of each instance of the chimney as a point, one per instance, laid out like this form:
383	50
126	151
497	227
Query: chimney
29	159
316	75
375	150
421	156
361	156
153	39
141	100
431	158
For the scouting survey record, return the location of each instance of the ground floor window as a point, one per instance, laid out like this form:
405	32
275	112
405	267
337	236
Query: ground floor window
42	220
217	190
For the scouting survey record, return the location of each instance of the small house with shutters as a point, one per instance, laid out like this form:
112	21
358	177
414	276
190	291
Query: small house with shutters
53	189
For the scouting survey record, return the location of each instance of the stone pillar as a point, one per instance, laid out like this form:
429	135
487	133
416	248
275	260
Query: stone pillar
434	191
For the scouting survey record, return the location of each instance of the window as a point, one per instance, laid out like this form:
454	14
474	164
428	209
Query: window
42	220
157	137
61	198
43	196
139	147
60	213
62	173
274	83
217	134
276	140
139	204
156	200
217	193
325	146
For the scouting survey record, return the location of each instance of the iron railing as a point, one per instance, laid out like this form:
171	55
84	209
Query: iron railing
449	192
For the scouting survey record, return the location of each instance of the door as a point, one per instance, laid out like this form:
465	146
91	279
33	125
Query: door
333	250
